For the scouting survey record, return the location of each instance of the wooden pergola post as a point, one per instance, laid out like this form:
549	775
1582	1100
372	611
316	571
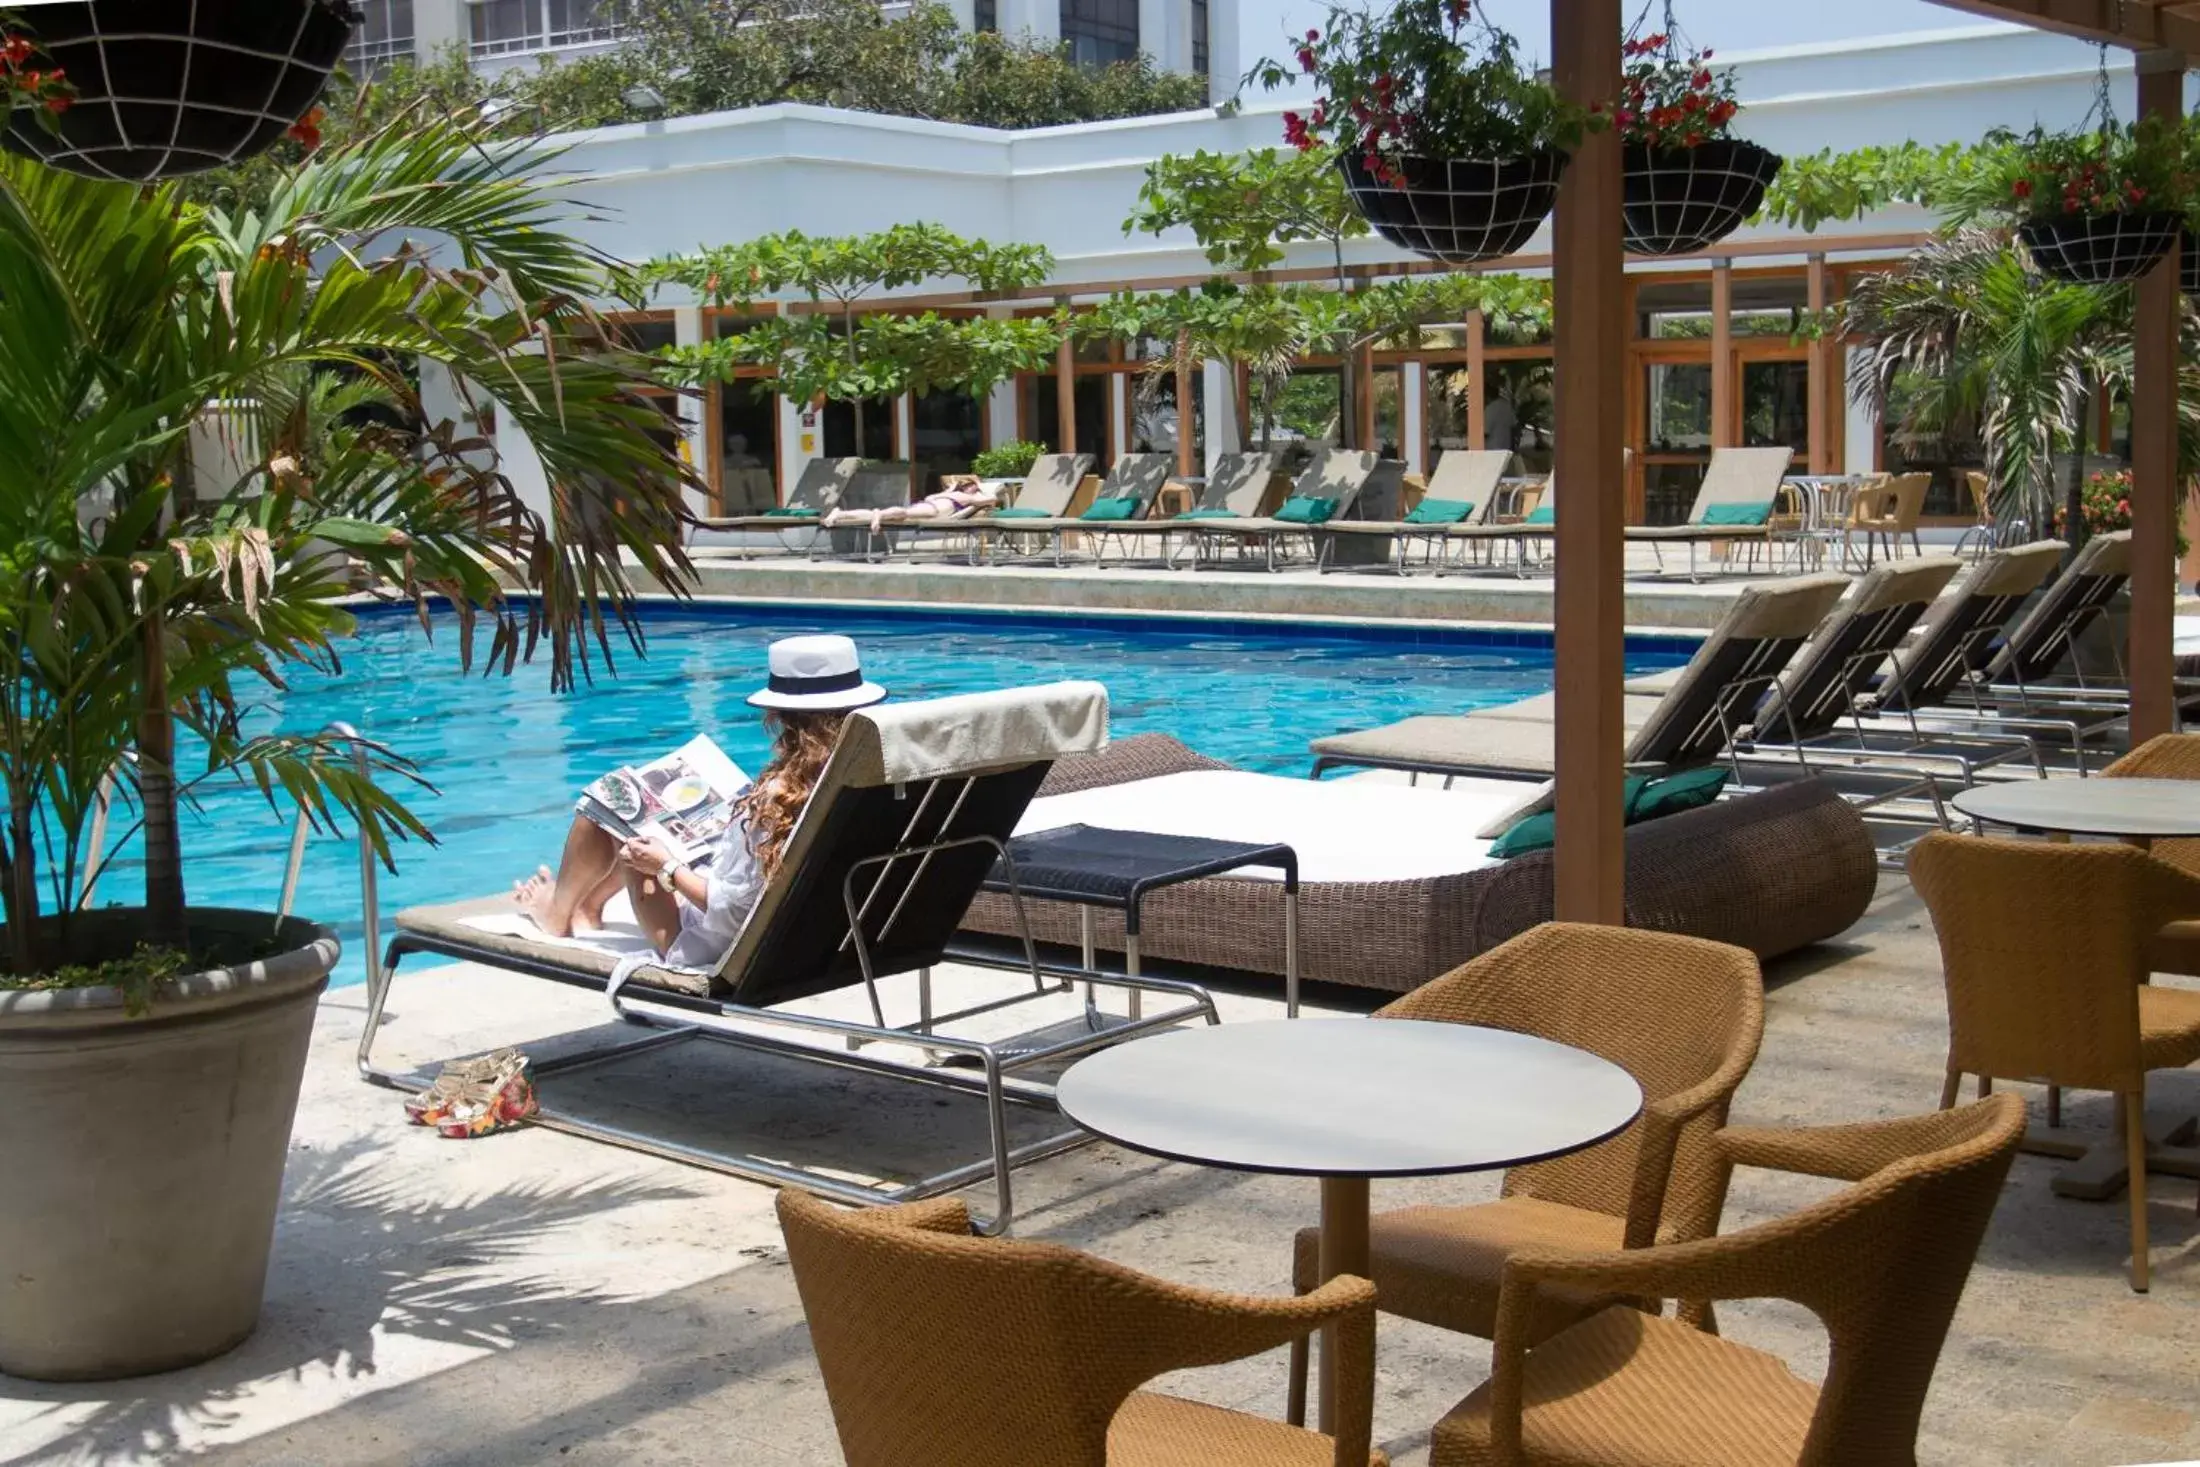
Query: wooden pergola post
1726	414
1187	421
1478	392
1819	373
1588	286
2155	492
1065	395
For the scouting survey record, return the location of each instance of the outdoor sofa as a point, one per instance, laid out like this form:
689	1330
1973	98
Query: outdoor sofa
1771	871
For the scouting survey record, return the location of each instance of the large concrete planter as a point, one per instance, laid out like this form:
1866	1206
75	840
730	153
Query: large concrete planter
143	1157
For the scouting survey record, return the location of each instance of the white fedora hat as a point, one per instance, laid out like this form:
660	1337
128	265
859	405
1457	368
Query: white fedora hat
816	674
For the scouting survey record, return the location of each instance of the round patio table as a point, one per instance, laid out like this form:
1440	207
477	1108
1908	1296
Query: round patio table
1346	1100
2136	810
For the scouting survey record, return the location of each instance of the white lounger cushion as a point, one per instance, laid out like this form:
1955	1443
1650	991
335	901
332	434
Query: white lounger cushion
975	732
1345	830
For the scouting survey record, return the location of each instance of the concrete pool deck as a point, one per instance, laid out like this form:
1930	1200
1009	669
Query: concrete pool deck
536	1298
1653	604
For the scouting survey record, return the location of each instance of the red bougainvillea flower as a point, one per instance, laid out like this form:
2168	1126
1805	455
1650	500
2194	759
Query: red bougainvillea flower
2022	188
306	131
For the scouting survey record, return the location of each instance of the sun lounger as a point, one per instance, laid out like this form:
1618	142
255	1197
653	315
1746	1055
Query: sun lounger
1708	706
1738	482
1046	493
1395	887
908	819
816	493
878	483
1340	475
2027	667
1134	476
1235	490
1463	476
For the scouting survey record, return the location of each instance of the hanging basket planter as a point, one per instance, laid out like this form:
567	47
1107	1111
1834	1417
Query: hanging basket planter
2099	249
1461	211
2188	263
1678	200
169	87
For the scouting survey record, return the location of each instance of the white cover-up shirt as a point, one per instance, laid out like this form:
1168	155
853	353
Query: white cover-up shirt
734	883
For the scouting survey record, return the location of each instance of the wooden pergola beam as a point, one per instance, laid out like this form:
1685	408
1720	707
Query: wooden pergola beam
2140	25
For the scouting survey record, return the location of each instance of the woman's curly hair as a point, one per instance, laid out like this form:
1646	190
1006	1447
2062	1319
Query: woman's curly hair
802	742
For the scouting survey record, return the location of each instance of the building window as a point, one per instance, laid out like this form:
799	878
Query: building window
1199	37
1100	32
502	26
985	15
385	34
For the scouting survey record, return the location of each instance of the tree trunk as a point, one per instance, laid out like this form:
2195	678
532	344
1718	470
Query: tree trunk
1348	401
2074	526
22	886
848	320
156	748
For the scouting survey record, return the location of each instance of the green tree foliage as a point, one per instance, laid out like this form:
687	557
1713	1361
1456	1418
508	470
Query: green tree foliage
131	606
1967	340
840	351
1245	208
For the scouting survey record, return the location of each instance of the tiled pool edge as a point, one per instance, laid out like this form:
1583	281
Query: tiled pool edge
1451	601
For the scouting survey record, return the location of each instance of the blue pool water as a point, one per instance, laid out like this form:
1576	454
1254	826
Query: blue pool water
507	755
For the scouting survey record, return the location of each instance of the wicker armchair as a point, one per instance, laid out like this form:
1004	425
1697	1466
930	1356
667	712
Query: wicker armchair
1682	1015
2044	948
940	1349
1882	1264
2169	756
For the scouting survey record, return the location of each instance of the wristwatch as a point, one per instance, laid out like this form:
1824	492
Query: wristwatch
669	873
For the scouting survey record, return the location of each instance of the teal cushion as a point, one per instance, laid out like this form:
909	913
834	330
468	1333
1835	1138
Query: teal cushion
1440	511
1209	514
1676	792
1535	833
1021	514
1542	514
1301	509
790	512
1736	514
1112	508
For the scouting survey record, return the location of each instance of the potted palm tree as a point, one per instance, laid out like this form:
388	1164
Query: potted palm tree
1689	182
1450	146
2097	207
150	1055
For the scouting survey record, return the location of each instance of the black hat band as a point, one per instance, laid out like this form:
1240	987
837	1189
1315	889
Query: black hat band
805	687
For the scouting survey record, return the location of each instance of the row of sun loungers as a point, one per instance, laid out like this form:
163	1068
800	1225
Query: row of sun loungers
1344	511
1916	674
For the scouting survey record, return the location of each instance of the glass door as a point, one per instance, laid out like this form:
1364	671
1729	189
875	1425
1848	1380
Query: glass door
1775	406
1676	438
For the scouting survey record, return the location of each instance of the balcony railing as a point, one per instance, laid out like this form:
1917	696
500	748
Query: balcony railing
502	27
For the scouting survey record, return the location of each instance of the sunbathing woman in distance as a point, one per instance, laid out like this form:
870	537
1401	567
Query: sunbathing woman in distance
692	916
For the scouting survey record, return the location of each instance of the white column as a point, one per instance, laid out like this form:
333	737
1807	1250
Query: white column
1226	45
1041	18
797	444
439	25
1119	440
964	16
687	330
1861	440
1412	392
1165	33
1219	385
1001	402
523	468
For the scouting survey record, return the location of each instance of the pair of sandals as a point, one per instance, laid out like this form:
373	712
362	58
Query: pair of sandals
476	1097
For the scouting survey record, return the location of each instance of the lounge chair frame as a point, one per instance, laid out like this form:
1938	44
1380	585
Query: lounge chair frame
676	1016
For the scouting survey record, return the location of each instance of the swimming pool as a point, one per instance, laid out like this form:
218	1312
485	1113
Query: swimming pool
507	755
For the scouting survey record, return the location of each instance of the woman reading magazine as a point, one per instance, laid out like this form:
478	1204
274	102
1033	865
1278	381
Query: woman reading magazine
692	912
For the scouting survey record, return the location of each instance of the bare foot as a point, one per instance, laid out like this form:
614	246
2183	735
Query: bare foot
536	895
588	916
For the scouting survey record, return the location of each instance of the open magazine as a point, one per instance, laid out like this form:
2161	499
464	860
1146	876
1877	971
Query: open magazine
684	799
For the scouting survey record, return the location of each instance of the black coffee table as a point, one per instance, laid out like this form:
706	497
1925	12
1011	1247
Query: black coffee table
1095	867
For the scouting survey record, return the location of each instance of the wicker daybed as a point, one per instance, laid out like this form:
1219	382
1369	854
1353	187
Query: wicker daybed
1771	871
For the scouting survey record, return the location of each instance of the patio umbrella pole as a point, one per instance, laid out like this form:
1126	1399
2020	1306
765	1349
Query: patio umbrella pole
1590	346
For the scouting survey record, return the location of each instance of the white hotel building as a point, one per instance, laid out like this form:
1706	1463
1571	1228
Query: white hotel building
1810	77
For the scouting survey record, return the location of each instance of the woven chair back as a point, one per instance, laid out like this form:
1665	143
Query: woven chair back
1674	1012
2043	948
2165	756
940	1349
1883	1265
